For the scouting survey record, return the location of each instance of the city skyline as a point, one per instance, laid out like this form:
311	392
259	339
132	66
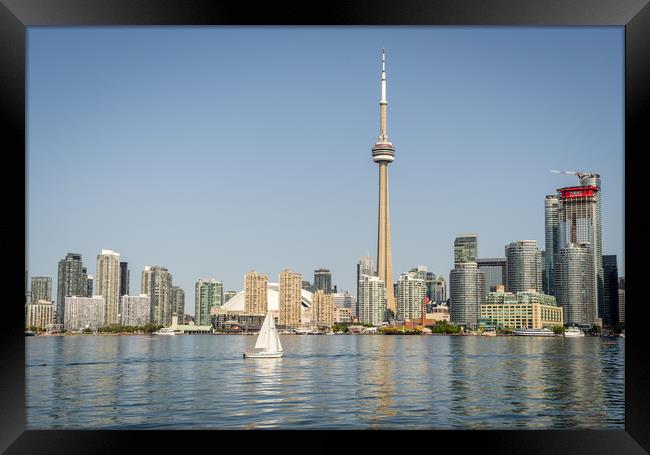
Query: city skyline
326	78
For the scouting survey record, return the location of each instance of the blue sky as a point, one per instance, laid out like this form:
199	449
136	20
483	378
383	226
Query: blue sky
216	150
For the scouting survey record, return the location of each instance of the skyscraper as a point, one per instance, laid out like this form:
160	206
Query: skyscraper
465	248
322	280
135	310
610	271
208	294
441	289
289	301
621	300
574	284
383	153
255	293
589	180
178	302
156	282
108	284
366	267
71	281
124	278
89	285
411	290
430	282
41	288
372	300
345	300
227	295
523	266
466	285
322	309
495	272
551	226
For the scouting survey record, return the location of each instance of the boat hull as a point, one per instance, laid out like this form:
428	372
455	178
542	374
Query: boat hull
262	355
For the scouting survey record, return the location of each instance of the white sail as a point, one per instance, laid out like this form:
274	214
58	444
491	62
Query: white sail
263	337
274	344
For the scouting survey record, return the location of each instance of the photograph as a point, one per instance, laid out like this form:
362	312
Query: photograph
325	227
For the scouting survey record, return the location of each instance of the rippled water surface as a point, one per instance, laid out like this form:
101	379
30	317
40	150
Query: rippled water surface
342	381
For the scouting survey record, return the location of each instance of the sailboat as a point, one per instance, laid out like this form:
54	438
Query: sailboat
268	341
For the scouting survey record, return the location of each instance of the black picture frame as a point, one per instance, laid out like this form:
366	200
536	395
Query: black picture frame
16	15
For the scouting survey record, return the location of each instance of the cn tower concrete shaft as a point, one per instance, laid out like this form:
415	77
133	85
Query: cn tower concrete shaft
384	251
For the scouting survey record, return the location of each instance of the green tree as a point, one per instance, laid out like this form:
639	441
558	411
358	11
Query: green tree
558	329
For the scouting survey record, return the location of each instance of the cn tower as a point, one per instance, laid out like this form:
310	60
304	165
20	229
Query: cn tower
383	153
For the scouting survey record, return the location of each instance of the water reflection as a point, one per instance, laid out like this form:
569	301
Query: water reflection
325	382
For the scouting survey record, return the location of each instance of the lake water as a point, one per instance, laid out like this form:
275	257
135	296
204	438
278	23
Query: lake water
341	381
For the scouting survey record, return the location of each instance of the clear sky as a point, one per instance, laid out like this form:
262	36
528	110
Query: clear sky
216	150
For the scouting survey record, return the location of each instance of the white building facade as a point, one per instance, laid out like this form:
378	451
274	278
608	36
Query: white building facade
84	313
135	310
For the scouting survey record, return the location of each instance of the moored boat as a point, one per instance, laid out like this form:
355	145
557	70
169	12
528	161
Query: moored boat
165	331
571	332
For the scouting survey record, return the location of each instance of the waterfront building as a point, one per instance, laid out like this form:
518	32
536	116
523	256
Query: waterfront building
322	280
39	314
610	277
156	282
551	245
322	309
290	299
71	281
208	294
383	153
255	286
466	285
494	270
178	302
345	300
343	315
524	266
465	248
579	222
372	300
574	284
135	310
411	291
227	295
523	310
440	290
108	283
124	278
41	289
84	313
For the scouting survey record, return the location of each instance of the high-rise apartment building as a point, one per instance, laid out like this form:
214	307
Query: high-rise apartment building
430	282
621	300
322	280
465	248
290	304
256	293
156	282
41	288
494	270
322	309
411	291
551	233
372	300
71	282
366	267
523	266
579	222
574	284
84	313
108	284
135	310
178	303
124	278
610	272
208	294
39	314
466	286
89	285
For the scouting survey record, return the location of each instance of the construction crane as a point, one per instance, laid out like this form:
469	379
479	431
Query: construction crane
579	174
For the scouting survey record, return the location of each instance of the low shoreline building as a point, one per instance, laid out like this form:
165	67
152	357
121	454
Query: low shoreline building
523	310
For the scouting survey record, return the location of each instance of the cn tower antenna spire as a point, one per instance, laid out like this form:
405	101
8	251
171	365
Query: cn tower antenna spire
383	77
